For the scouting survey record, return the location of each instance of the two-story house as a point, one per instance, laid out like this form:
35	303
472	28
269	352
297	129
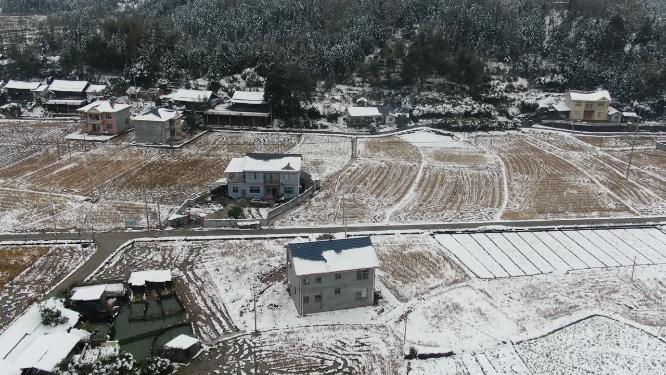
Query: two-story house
245	108
20	90
264	176
588	105
158	126
331	275
66	96
104	117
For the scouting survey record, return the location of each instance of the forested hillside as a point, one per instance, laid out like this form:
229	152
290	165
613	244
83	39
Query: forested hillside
620	44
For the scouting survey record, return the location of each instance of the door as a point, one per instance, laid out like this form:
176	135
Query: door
588	115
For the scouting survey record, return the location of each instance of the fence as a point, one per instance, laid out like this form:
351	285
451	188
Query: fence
603	127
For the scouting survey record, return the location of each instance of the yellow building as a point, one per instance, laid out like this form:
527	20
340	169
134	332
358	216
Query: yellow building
588	105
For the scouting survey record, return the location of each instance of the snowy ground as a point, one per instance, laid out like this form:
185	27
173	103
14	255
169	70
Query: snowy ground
488	326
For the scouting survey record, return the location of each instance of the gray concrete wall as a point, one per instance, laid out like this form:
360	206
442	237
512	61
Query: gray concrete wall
150	131
123	120
661	146
348	285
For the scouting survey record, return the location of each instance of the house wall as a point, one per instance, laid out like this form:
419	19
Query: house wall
348	284
157	132
240	184
19	95
616	117
578	109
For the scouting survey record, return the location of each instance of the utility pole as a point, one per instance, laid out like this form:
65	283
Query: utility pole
633	268
631	154
404	336
254	299
159	214
344	219
53	213
145	205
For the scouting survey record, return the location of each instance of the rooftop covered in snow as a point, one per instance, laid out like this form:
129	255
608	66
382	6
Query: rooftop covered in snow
181	342
590	96
363	112
95	88
104	106
248	97
265	163
61	85
140	278
158	114
320	257
190	96
21	85
95	292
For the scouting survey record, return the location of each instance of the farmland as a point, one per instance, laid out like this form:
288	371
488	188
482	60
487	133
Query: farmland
29	271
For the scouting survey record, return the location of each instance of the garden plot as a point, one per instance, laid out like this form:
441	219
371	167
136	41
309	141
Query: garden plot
22	140
643	192
413	265
365	191
457	183
597	345
500	360
620	141
332	350
511	254
541	184
650	159
29	271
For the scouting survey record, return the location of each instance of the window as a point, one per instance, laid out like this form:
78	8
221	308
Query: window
108	116
306	299
318	279
254	176
362	275
338	276
306	281
255	190
317	297
288	190
337	290
173	133
234	189
109	126
361	294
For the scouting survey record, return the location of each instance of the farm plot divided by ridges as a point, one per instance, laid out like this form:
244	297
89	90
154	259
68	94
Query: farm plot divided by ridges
596	345
323	155
541	184
332	350
48	265
363	193
643	192
509	254
458	182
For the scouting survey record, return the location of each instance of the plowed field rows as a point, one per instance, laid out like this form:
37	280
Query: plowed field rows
544	185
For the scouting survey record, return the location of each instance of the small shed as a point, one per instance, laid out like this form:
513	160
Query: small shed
150	279
181	349
630	117
614	115
363	116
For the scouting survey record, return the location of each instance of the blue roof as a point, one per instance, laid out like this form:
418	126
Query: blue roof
314	250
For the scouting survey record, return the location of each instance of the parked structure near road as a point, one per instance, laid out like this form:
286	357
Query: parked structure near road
246	108
20	90
104	117
158	126
363	116
264	176
588	105
331	275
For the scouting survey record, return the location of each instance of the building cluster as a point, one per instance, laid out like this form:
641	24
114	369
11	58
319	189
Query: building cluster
591	106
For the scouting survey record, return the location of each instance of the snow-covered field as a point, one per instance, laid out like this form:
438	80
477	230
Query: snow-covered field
492	255
52	264
426	289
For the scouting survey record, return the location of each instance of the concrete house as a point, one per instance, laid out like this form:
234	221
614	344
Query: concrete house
264	176
158	126
363	116
331	275
245	108
20	90
588	105
104	117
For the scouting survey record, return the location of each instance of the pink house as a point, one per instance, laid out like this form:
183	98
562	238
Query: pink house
104	117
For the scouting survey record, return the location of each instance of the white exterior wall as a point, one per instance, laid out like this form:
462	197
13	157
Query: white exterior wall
245	184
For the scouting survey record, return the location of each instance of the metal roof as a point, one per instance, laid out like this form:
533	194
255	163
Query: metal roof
314	250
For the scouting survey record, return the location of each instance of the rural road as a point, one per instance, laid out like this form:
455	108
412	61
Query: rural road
107	242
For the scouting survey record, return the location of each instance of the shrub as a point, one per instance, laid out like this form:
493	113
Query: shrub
236	212
325	236
51	317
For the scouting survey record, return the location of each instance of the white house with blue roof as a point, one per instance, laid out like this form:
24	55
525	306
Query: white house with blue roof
331	275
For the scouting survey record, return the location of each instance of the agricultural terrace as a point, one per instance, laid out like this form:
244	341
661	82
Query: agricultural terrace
27	272
47	179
